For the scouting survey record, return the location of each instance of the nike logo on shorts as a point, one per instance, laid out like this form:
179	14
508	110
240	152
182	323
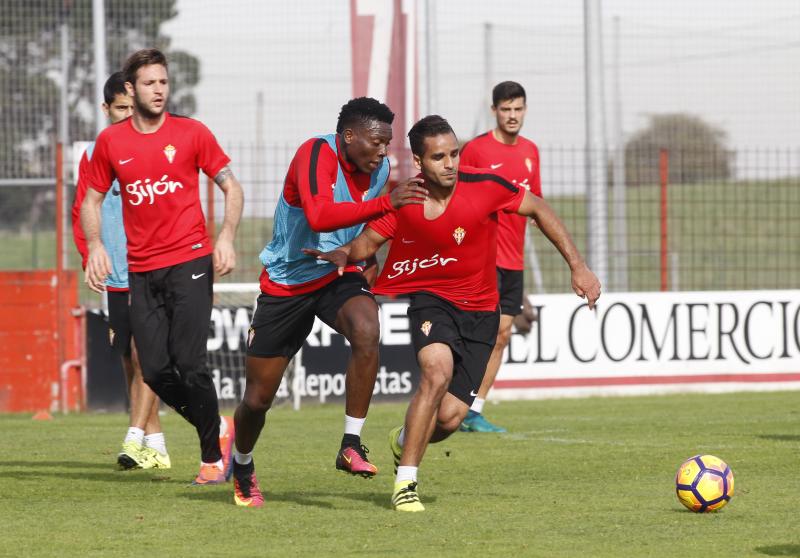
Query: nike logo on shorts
126	161
198	276
473	393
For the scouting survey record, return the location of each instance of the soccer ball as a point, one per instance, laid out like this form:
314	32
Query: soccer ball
704	483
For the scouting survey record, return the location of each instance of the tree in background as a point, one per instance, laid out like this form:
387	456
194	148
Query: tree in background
697	151
30	83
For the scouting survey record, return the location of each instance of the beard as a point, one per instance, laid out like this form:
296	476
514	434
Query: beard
145	111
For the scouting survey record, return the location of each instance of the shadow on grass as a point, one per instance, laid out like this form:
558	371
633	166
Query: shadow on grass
103	472
779	550
111	465
781	437
323	500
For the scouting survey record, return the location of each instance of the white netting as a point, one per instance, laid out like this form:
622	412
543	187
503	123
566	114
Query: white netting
234	304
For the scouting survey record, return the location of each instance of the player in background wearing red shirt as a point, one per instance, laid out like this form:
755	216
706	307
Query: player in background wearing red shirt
517	158
333	186
156	156
443	256
144	445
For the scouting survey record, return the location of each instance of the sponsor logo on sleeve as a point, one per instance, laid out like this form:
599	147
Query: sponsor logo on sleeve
426	327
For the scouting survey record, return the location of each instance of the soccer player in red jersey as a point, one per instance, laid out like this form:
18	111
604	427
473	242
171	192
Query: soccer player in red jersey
144	445
503	149
333	186
156	156
443	256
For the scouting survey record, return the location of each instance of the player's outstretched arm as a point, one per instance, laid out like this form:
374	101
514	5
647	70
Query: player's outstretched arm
584	281
224	253
362	247
98	264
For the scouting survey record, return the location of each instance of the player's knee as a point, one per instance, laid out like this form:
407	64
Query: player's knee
200	379
365	335
434	382
256	402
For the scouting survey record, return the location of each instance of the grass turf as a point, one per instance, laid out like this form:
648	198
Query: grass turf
591	477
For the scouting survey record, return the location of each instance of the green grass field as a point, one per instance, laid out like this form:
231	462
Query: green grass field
586	478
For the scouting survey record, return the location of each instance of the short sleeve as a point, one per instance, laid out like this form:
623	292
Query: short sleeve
536	180
101	171
210	157
385	226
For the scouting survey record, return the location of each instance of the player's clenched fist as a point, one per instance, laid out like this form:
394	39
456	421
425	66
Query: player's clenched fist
410	191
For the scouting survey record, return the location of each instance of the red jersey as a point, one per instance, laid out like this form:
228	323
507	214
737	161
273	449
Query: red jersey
519	163
452	256
159	182
80	193
309	184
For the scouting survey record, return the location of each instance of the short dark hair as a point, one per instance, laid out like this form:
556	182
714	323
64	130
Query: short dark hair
144	57
506	91
428	127
115	85
363	110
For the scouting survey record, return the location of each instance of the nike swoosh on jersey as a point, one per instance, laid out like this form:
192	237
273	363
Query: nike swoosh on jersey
198	276
126	161
496	166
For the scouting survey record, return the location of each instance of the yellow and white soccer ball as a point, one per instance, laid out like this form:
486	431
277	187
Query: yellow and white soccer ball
704	483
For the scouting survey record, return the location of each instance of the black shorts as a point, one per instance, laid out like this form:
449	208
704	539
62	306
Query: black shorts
281	324
119	322
170	318
470	335
510	283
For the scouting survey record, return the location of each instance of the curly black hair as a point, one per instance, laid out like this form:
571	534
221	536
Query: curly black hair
363	110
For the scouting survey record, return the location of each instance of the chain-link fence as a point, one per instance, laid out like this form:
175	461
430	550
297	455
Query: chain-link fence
711	83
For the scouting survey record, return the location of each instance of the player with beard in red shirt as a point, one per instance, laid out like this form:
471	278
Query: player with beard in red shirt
517	158
156	156
443	256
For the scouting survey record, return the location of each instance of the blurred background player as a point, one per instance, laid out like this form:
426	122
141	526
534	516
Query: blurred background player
156	157
516	158
332	187
144	445
445	262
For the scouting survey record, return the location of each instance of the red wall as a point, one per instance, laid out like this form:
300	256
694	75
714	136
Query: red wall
31	349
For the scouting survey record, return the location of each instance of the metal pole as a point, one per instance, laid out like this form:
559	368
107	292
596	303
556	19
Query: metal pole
430	64
664	172
620	224
596	202
100	62
487	71
63	136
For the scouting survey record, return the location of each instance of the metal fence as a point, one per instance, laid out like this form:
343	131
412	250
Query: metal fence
667	66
